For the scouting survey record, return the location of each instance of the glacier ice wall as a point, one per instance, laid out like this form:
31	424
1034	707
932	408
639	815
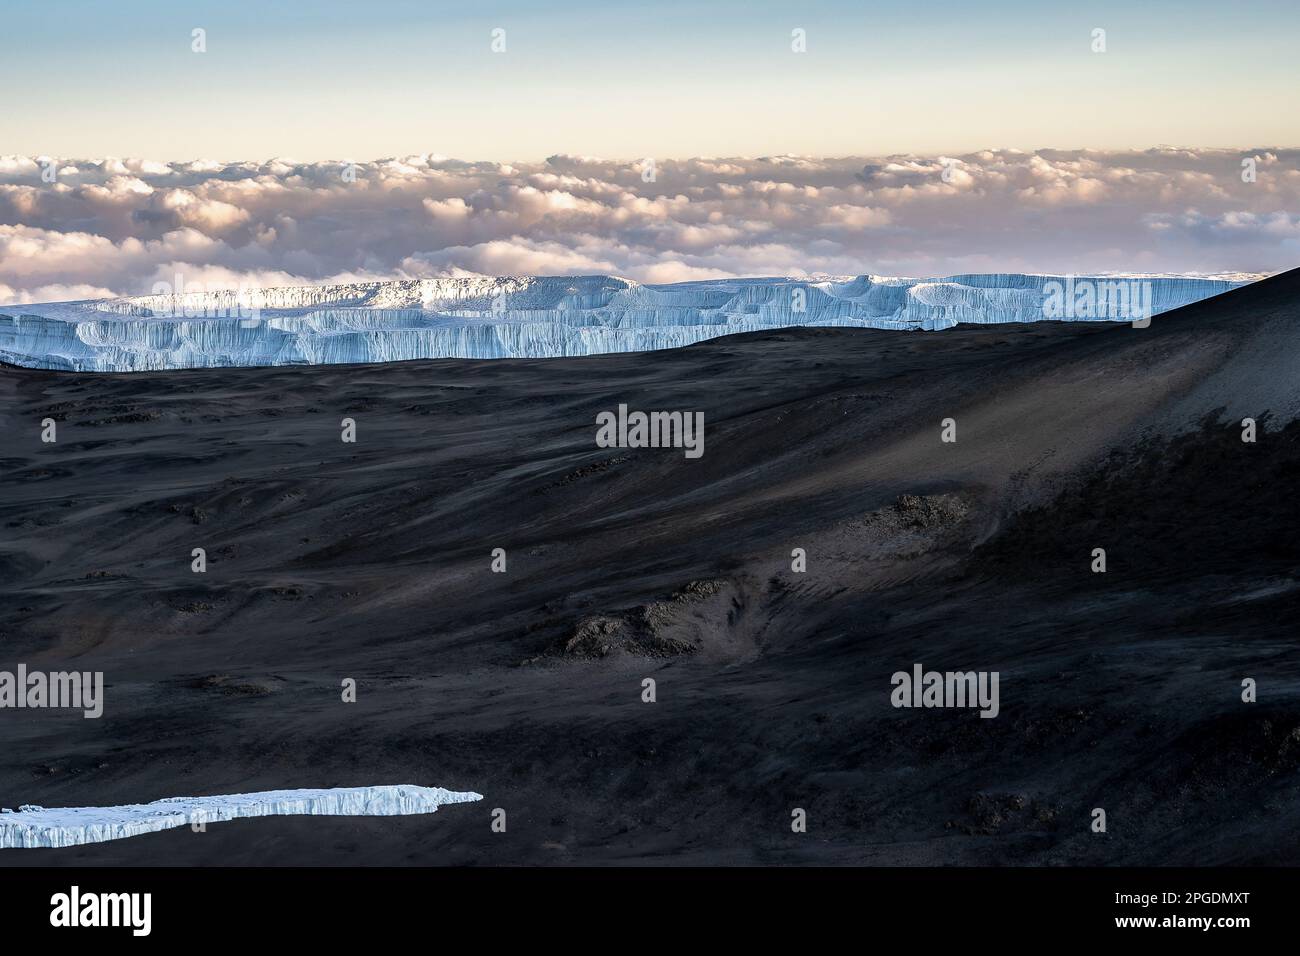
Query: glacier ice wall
70	826
509	317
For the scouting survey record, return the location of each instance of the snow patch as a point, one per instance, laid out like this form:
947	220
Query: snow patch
35	826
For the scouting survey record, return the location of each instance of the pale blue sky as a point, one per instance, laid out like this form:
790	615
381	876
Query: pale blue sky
333	79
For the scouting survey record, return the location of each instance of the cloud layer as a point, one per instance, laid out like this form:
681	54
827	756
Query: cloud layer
113	226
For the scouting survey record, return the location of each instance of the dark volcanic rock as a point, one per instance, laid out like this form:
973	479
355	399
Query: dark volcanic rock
372	562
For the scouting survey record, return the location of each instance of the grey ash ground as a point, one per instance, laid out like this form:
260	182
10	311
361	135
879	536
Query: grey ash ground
371	561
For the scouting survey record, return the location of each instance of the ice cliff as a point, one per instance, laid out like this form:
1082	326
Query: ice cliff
69	826
532	317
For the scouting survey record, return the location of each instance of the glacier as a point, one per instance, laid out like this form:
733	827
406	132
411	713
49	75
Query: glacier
512	317
33	826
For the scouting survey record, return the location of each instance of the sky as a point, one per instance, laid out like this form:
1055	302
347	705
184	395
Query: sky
363	80
330	141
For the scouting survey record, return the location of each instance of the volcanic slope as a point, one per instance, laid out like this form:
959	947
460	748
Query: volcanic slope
371	561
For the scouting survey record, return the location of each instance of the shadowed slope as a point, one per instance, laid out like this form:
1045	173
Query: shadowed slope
372	561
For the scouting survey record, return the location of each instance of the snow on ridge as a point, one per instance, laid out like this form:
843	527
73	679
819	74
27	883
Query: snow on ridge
35	826
484	317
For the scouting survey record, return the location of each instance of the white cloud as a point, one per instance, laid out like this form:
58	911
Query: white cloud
120	225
